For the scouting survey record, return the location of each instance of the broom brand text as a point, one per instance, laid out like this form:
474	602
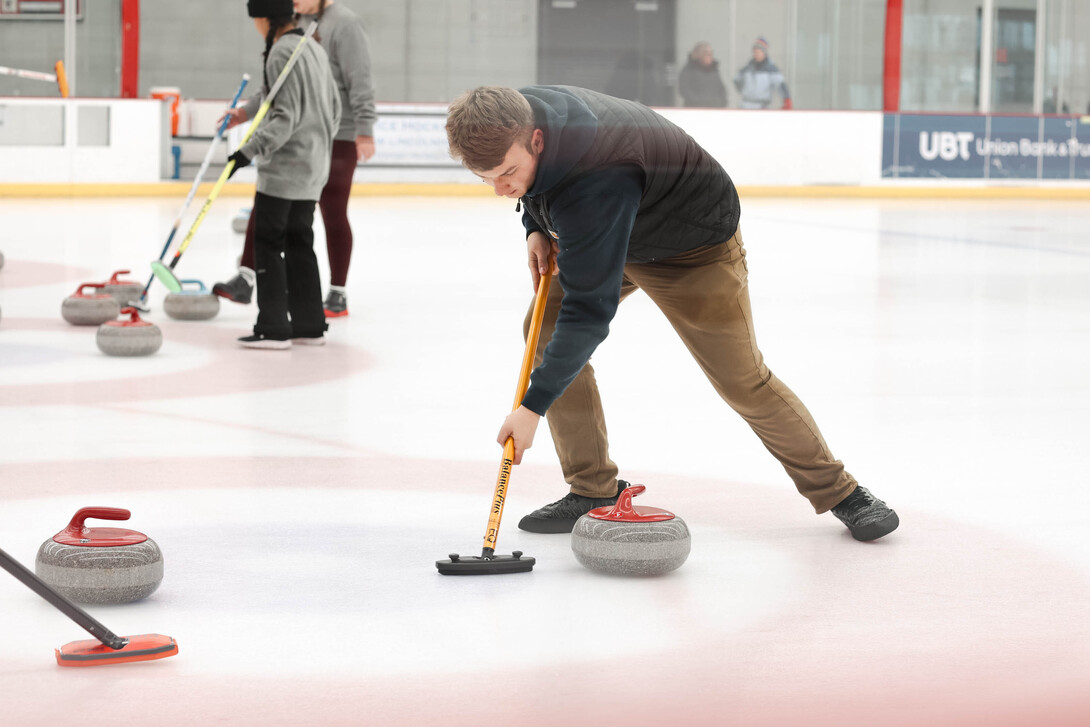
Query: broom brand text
501	487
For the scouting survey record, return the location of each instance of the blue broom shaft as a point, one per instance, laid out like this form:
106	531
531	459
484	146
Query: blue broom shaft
197	181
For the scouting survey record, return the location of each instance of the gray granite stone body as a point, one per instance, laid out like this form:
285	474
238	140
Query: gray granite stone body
89	311
124	293
240	221
191	306
113	575
129	340
631	548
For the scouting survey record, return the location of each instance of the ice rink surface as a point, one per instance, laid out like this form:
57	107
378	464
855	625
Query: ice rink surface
302	498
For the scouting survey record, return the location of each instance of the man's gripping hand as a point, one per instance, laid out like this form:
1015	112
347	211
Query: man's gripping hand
541	255
520	425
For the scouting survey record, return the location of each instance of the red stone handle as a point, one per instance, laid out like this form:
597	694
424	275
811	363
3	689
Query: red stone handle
625	511
97	286
77	526
134	317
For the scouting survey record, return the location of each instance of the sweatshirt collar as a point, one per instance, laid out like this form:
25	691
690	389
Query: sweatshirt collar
569	127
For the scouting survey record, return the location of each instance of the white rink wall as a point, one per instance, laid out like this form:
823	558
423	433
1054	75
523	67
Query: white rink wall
82	141
95	141
757	147
795	148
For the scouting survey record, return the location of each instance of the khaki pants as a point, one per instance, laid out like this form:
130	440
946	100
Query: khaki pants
704	294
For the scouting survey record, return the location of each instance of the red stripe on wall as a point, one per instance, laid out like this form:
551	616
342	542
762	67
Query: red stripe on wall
130	48
891	74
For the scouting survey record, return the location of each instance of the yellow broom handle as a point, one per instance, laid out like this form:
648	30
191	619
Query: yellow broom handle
504	477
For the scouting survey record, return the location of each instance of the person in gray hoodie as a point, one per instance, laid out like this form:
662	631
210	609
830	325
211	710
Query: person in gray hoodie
292	146
341	33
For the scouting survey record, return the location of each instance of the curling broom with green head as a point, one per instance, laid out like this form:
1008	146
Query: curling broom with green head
142	302
166	273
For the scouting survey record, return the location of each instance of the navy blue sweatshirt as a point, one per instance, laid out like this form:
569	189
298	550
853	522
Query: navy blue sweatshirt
610	194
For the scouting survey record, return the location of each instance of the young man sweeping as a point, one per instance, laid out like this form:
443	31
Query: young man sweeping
623	199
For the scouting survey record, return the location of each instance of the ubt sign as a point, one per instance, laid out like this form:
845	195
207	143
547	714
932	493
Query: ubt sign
947	145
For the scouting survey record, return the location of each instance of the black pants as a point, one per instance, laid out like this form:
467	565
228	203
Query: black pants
289	290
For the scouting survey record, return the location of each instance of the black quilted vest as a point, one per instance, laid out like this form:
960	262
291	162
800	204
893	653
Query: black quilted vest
688	199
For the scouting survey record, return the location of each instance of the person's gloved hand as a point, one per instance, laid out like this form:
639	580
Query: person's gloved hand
787	105
240	160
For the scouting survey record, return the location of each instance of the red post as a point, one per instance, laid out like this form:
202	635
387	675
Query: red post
130	48
891	74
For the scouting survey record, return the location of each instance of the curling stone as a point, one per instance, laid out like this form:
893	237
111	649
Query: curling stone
192	304
126	291
89	309
1	259
133	337
100	565
241	220
630	541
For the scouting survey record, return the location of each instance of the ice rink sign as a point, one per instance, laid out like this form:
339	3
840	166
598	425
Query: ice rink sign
985	147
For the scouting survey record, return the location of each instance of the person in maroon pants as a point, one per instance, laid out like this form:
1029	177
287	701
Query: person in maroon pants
341	33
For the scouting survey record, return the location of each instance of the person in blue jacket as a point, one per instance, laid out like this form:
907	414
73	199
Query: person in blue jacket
760	79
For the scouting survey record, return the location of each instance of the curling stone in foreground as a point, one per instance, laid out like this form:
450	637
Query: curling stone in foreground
192	303
90	309
100	565
240	221
132	337
1	259
125	291
630	541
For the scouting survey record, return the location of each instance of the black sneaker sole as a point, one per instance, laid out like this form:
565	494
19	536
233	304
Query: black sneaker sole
885	526
550	525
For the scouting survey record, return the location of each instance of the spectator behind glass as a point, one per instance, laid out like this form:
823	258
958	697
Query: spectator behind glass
759	79
699	83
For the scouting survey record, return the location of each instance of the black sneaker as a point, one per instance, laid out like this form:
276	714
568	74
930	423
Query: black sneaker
236	289
867	517
336	305
258	340
560	516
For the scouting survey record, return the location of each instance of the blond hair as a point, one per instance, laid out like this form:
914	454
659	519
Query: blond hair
483	124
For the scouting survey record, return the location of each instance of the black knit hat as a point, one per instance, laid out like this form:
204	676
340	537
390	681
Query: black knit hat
269	8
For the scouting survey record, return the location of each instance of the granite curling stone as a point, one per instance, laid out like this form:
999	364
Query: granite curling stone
132	337
191	304
125	291
100	565
1	259
630	541
90	309
241	220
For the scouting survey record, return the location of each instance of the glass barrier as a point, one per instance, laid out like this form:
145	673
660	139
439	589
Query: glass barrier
820	54
35	36
1066	53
